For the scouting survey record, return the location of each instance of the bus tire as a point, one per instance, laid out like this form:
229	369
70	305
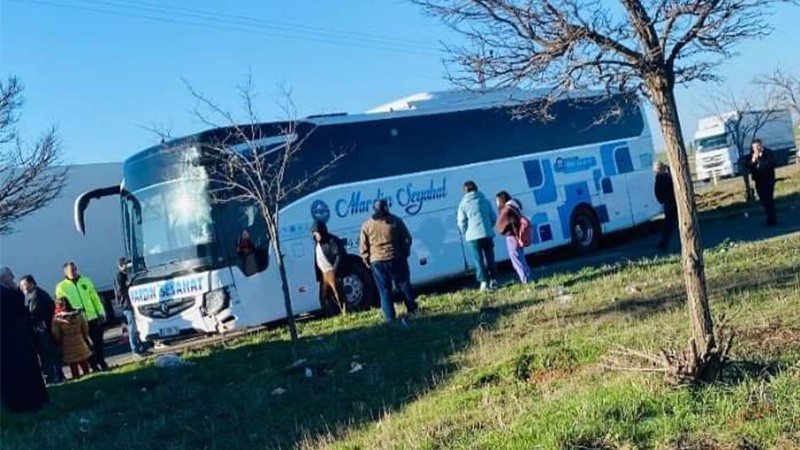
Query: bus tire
585	230
359	287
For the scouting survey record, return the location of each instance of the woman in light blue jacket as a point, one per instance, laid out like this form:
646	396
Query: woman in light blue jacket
476	219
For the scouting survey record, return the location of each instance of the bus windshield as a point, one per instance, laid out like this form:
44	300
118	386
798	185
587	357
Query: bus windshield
169	222
711	143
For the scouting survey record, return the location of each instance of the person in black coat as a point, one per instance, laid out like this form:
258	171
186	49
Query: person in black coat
330	266
22	387
42	309
665	194
762	168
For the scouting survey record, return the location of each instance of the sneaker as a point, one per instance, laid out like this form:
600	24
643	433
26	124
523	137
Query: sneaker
492	284
484	286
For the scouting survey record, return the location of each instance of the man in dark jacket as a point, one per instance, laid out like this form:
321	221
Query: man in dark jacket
762	168
21	385
124	304
330	266
42	309
385	246
665	194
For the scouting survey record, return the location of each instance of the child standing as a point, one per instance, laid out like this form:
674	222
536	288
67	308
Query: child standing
509	224
71	334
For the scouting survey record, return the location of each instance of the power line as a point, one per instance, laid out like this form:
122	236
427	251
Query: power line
280	25
235	26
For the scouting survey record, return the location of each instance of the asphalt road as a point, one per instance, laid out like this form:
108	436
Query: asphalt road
630	245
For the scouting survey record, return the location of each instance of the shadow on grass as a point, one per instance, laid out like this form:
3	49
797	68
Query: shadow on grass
227	399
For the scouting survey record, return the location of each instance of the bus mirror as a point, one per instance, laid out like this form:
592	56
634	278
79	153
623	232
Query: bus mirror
82	202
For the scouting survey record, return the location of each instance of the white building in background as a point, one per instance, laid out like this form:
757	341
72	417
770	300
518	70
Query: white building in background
46	239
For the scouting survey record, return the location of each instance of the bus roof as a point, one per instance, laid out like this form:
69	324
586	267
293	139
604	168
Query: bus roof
442	102
420	104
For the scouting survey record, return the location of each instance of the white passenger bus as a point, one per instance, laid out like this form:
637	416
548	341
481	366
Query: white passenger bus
576	179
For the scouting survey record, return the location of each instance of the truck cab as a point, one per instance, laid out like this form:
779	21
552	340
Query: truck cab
716	154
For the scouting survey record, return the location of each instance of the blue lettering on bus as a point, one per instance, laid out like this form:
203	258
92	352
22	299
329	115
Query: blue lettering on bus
144	294
174	288
574	164
410	198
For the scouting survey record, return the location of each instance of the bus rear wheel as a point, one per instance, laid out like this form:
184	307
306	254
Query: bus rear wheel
358	287
585	230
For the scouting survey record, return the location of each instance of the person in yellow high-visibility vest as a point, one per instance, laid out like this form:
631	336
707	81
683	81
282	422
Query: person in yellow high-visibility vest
82	296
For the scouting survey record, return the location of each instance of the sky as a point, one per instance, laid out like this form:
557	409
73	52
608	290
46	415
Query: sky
106	71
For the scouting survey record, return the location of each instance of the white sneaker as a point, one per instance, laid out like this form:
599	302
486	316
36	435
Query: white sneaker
492	284
484	286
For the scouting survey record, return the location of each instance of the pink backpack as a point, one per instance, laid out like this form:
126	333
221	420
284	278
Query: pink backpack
525	237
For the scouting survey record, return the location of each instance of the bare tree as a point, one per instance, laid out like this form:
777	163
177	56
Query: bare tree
646	46
254	163
29	176
785	87
744	116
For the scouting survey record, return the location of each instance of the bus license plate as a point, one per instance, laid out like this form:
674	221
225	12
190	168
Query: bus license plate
170	331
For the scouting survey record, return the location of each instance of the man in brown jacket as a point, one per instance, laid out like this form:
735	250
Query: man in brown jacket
385	246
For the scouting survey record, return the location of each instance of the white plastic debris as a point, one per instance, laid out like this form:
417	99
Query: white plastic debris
279	391
171	360
565	299
356	367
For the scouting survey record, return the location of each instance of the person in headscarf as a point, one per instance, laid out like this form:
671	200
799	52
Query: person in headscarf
22	387
330	266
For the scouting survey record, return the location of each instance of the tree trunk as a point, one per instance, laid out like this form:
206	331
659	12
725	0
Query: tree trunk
287	295
663	98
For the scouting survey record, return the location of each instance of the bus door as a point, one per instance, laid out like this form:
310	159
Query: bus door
614	186
641	182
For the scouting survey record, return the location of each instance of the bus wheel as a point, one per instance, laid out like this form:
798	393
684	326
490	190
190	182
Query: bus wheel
358	287
585	230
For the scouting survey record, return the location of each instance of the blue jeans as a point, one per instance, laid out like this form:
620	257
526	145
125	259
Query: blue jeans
133	338
386	272
482	251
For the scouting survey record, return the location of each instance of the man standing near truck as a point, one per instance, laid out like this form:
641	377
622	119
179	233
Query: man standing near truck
82	296
762	168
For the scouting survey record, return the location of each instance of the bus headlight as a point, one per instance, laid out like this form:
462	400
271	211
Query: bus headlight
215	301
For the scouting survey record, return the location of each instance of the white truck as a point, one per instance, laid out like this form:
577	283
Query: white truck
722	140
46	239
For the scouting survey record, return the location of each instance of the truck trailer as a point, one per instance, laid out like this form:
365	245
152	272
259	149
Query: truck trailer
723	141
45	240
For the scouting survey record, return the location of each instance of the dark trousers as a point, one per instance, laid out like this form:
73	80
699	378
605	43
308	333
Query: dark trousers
669	225
49	356
482	251
74	369
766	193
98	360
386	272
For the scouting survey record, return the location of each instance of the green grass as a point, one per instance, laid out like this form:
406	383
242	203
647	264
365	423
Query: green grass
519	368
728	197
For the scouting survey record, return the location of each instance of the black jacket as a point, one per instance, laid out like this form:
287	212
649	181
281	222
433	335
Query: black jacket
333	249
42	309
665	193
121	291
763	170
